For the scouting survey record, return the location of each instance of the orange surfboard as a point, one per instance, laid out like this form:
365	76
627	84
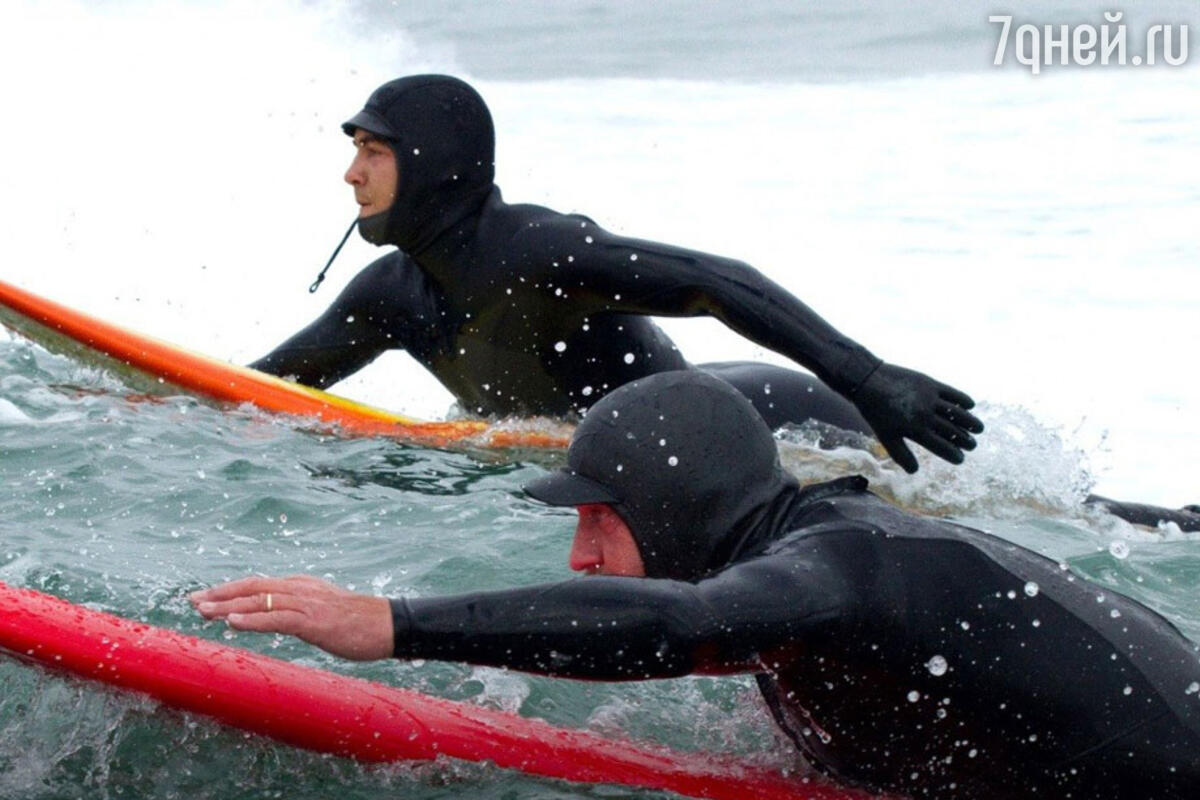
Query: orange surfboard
223	382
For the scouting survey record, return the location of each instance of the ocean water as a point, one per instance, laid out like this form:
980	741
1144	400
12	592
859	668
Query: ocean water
175	167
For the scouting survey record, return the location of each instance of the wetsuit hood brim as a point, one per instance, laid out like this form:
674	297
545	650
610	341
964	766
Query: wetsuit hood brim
370	122
566	487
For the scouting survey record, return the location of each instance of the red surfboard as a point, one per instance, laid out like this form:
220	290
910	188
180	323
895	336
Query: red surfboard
210	378
331	713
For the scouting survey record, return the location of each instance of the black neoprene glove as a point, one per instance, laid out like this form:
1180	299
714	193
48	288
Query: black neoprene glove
903	404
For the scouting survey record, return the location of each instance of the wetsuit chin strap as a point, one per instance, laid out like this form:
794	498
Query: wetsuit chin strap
329	263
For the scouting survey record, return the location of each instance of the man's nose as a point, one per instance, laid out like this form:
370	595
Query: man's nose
354	173
584	553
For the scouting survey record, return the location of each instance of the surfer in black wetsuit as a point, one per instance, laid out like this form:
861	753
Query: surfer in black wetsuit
901	653
520	310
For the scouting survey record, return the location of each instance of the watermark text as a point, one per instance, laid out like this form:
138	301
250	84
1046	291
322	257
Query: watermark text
1107	44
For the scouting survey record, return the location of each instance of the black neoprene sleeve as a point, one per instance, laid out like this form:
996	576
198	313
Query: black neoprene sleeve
357	328
642	277
609	628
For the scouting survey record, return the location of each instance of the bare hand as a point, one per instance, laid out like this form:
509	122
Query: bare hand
349	625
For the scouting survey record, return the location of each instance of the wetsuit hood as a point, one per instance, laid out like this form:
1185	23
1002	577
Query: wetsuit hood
442	135
687	463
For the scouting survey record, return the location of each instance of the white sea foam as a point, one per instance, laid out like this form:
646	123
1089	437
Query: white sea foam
9	413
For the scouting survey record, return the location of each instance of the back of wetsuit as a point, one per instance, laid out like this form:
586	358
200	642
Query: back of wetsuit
972	667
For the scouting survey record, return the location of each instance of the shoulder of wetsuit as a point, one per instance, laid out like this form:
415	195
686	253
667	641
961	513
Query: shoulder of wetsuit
534	223
383	268
544	237
383	277
390	303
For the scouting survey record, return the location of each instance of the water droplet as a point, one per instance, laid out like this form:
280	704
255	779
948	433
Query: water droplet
1114	613
914	696
662	442
629	358
560	346
620	467
588	239
633	257
283	518
1119	549
350	318
966	626
1012	595
673	461
1193	688
937	666
616	413
1128	690
416	151
1031	589
587	391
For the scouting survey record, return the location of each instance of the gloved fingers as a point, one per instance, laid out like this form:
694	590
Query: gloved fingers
953	433
941	448
960	416
900	453
952	395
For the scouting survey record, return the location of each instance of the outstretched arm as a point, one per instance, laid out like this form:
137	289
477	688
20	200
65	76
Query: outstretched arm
367	318
596	627
1187	518
635	276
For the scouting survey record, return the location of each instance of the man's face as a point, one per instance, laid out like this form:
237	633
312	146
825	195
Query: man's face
604	545
372	173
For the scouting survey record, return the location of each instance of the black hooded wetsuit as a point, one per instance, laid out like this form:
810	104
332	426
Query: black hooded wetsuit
521	310
526	311
899	652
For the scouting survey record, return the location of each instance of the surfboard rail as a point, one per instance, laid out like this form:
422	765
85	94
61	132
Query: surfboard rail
231	383
323	711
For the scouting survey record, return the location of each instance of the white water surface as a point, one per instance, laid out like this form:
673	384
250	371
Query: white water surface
176	167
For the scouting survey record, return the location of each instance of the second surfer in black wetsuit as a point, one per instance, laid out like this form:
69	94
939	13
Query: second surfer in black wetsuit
520	310
899	652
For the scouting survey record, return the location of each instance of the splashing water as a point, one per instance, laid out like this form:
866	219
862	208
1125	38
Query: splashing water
193	196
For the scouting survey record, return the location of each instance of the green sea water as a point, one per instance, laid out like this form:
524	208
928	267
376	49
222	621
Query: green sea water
127	503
